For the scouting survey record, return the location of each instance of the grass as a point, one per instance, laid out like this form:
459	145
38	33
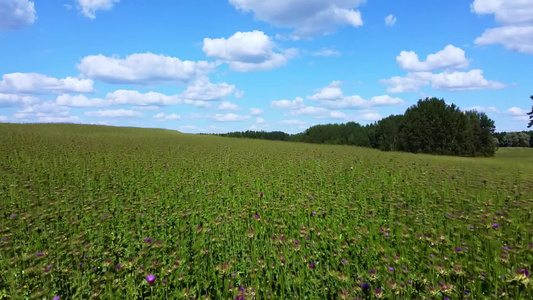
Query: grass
92	211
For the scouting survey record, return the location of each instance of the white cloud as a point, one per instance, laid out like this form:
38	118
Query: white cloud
332	96
197	103
189	128
15	14
288	104
16	100
450	57
143	68
514	38
390	20
89	7
259	127
483	109
517	18
448	81
327	53
120	97
308	18
256	111
292	122
163	116
247	51
32	83
204	90
259	120
230	117
506	11
371	116
117	113
318	112
228	106
515	111
80	101
48	112
4	118
149	108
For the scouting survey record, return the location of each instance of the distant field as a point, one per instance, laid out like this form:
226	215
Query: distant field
126	213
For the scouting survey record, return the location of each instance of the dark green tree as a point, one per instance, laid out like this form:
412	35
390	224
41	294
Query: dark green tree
530	115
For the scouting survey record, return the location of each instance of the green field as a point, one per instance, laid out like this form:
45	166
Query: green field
91	211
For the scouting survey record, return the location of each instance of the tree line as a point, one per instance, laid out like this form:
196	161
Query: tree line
431	126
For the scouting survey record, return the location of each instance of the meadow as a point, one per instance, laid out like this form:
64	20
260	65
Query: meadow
95	212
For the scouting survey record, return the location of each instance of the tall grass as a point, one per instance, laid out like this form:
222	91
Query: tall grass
125	213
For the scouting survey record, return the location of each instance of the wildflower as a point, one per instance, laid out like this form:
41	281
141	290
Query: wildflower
261	195
390	268
458	249
386	234
119	266
296	243
471	227
164	281
495	225
364	285
311	266
257	216
13	215
150	278
40	254
56	298
314	213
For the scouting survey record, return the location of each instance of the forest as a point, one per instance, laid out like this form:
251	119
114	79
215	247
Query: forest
431	126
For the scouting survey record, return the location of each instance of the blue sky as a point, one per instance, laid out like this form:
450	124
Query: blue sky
228	65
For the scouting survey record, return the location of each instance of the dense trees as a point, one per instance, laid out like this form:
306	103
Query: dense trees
431	126
515	139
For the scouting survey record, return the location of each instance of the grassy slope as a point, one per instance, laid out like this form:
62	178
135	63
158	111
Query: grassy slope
97	169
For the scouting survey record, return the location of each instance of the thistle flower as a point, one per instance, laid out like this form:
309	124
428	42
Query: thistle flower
390	268
150	278
458	249
495	225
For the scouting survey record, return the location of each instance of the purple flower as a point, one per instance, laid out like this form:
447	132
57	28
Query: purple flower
431	255
56	298
256	216
13	215
471	227
314	213
150	278
261	194
311	266
483	274
409	281
119	266
466	292
283	261
449	215
164	281
364	285
40	254
234	274
386	234
372	272
390	268
458	249
296	243
524	272
495	225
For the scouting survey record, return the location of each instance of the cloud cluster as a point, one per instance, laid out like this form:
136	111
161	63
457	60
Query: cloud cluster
15	14
449	59
308	18
390	20
33	83
143	69
516	16
248	51
89	7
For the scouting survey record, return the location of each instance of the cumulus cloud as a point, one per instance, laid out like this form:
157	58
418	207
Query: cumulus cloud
288	104
308	18
7	100
228	106
517	18
80	101
390	20
117	113
450	57
89	7
197	103
371	116
163	116
515	111
133	97
448	81
259	120
514	38
248	51
33	83
204	90
15	14
256	111
143	68
48	112
292	122
332	96
317	112
230	117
